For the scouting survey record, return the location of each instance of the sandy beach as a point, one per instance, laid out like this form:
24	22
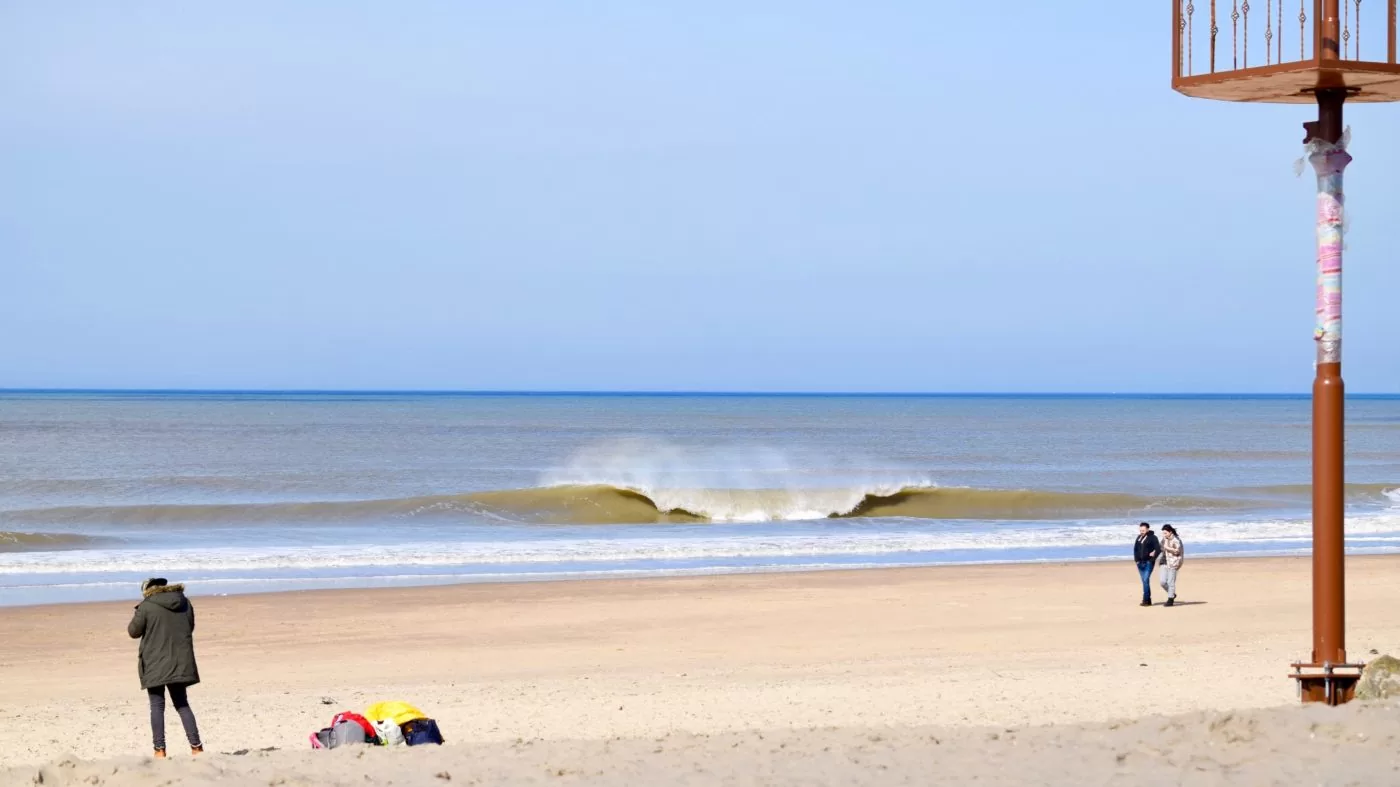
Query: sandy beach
846	671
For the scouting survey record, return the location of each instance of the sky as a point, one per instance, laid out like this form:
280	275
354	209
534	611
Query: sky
648	195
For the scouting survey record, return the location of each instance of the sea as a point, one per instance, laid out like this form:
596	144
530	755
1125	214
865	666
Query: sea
251	492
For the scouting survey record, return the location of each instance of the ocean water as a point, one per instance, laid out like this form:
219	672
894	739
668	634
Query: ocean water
249	492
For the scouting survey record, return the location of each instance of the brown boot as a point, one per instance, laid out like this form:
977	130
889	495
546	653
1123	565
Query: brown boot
160	754
195	751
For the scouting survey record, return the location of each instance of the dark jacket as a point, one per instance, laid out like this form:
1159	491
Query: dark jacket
1146	548
164	622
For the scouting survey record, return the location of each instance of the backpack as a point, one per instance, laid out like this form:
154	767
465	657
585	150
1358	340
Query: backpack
419	732
370	732
339	734
346	727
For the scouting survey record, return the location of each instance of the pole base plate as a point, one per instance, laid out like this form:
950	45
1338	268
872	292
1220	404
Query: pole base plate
1333	684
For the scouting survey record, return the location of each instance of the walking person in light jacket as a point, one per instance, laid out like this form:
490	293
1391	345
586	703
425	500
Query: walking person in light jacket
1173	555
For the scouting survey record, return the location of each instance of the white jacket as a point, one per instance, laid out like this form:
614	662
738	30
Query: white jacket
1173	550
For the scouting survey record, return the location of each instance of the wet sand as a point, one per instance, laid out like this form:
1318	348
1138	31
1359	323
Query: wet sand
589	669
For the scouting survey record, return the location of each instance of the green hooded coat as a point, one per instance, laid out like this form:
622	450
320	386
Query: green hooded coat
164	622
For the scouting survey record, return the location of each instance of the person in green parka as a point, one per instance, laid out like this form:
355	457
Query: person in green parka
164	622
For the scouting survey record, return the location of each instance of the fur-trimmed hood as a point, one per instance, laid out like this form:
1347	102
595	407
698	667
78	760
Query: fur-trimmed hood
172	597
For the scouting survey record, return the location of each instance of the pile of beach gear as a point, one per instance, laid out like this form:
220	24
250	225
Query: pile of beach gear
383	724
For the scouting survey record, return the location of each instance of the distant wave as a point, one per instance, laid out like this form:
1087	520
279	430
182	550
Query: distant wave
1263	455
1356	493
1217	453
606	504
192	488
82	486
25	542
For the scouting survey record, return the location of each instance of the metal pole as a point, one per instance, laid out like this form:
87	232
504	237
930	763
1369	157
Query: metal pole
1329	159
1328	35
1178	32
1390	37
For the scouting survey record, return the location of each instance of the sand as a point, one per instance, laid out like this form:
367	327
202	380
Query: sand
758	679
1356	745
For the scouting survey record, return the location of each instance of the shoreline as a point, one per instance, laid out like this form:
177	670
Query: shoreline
438	581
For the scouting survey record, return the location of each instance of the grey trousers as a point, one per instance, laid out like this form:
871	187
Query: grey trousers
181	702
1169	580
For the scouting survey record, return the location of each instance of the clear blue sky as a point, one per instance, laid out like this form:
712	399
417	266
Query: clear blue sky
782	195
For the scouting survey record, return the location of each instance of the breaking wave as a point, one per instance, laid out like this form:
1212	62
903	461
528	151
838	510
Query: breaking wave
606	504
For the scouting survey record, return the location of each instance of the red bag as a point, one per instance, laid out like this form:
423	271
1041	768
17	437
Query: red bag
370	732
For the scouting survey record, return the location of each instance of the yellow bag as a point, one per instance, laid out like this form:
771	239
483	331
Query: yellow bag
398	712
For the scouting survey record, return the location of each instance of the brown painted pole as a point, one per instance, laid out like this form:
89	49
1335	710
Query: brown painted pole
1329	585
1330	25
1390	42
1178	31
1329	34
1213	31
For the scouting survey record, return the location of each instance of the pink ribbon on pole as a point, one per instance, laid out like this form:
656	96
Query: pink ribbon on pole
1329	161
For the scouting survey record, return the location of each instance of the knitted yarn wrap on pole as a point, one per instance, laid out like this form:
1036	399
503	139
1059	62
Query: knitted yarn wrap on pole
1329	161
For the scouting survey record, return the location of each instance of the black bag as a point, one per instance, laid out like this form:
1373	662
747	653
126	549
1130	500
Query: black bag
421	731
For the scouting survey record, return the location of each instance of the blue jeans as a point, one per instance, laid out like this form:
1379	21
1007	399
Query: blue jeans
1145	571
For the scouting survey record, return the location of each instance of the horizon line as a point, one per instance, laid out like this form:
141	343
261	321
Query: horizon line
683	393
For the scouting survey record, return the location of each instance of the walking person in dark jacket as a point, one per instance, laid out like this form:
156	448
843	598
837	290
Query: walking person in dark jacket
1145	551
164	622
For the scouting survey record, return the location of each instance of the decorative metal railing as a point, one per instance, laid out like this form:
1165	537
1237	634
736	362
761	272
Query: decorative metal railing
1222	36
